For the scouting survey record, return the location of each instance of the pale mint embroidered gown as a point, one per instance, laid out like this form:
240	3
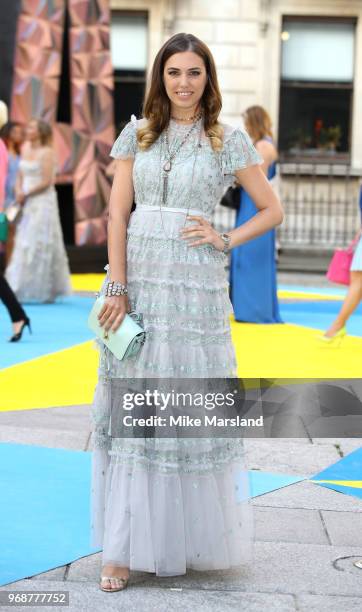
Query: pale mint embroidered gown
164	505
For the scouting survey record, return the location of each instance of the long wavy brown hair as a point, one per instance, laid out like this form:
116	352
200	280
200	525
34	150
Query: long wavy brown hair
157	106
5	134
257	122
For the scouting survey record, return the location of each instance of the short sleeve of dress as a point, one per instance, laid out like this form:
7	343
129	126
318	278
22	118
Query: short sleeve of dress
125	146
238	152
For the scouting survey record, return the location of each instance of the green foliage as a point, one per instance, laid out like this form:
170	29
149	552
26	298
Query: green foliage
330	137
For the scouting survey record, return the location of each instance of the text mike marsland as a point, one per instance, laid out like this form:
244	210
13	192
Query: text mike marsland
187	421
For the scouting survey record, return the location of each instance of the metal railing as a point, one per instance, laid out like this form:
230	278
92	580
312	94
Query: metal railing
321	205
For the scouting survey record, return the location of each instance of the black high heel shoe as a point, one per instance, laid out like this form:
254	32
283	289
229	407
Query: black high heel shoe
17	336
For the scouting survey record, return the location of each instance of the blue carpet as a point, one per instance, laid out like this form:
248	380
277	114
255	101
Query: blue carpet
45	507
319	315
346	469
265	482
354	491
44	510
55	327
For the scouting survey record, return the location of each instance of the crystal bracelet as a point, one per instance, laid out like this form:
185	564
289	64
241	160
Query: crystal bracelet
116	288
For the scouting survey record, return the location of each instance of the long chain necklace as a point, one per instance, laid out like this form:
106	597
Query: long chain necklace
167	166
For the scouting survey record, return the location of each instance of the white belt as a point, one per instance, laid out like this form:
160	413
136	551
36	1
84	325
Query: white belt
191	211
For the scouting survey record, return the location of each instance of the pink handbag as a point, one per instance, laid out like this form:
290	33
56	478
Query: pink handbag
338	270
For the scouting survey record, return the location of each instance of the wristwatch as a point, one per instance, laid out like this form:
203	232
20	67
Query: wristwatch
226	238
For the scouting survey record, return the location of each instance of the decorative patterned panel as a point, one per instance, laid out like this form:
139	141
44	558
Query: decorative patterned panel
92	114
82	147
38	60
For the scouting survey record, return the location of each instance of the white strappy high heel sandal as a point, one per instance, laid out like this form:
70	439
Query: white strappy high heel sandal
117	583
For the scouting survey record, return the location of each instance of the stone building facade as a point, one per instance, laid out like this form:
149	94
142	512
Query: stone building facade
320	186
245	38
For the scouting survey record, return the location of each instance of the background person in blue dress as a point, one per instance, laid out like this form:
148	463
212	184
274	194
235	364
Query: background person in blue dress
253	266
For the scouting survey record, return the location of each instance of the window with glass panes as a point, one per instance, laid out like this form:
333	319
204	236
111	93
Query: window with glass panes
129	40
316	88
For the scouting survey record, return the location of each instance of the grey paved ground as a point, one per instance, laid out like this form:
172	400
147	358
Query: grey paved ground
307	536
304	279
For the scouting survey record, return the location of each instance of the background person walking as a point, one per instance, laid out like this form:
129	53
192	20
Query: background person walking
337	329
18	316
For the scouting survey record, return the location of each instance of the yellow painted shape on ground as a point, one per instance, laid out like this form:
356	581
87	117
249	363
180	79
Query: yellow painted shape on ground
64	378
283	350
93	282
357	484
306	296
87	282
280	351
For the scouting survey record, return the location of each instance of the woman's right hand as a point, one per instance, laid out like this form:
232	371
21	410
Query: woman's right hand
20	198
113	311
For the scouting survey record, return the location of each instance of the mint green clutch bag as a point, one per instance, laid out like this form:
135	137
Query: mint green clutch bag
127	340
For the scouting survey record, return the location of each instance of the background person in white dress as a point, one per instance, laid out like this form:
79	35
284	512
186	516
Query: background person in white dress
38	270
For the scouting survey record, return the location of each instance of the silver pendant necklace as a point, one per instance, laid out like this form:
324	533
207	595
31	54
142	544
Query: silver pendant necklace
167	166
168	163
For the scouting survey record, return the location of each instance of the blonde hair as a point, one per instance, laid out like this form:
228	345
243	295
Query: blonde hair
156	106
257	122
3	113
45	131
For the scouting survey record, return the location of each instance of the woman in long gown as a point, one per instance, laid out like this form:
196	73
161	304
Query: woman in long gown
253	275
165	505
38	270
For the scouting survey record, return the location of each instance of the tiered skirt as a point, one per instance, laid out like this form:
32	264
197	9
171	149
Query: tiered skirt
165	505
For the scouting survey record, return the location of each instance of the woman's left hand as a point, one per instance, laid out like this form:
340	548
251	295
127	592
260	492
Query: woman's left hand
204	231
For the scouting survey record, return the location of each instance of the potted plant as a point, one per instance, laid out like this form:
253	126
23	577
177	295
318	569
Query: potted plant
330	138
